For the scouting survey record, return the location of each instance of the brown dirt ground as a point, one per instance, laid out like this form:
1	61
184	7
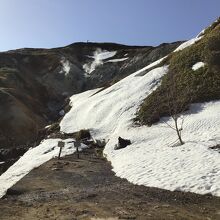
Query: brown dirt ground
86	188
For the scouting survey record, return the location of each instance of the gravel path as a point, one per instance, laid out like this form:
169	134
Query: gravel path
86	188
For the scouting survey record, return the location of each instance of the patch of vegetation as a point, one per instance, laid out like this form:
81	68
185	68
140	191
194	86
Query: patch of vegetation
200	85
211	27
83	134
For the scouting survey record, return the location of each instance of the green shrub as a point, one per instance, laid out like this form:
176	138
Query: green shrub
200	85
83	134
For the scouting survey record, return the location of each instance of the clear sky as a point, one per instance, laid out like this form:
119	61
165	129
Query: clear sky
54	23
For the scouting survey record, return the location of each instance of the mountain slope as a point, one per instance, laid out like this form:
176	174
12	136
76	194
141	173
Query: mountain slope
152	159
35	82
195	71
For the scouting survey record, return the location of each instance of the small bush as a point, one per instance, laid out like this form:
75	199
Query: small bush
83	134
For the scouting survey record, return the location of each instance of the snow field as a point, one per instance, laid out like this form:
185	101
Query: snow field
98	59
150	159
66	67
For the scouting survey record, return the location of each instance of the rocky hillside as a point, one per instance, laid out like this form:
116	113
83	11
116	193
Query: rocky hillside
35	83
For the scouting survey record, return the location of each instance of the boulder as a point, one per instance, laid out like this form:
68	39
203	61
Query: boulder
122	143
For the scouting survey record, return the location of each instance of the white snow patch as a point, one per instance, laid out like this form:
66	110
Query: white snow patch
117	60
141	71
201	33
99	56
34	158
2	162
112	103
198	66
66	67
188	43
150	160
103	55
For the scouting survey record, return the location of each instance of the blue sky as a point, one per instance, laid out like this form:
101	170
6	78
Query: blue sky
54	23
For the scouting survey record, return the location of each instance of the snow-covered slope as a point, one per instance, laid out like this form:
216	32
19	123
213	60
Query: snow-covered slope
150	160
188	43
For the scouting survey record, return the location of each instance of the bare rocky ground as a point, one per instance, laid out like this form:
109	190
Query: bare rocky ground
86	188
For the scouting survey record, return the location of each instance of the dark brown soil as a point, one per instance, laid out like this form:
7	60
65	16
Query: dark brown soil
86	188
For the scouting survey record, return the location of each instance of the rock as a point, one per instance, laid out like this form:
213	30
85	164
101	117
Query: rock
217	148
12	153
62	113
122	143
